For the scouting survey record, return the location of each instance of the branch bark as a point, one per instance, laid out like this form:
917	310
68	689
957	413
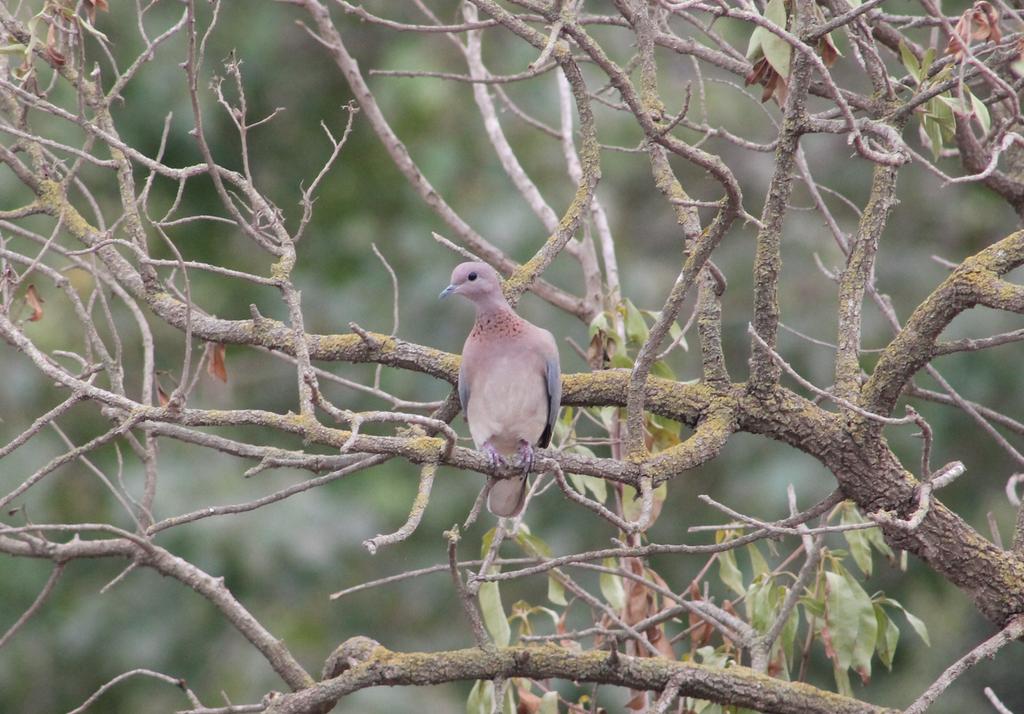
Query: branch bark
736	685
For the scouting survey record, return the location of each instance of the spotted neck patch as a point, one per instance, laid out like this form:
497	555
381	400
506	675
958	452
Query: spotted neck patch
501	323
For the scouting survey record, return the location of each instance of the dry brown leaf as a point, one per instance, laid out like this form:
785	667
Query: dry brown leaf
828	50
529	703
597	354
826	639
656	636
758	72
731	609
561	629
653	575
93	6
638	702
776	87
701	629
979	22
216	366
162	396
35	301
774	83
53	54
56	58
640	601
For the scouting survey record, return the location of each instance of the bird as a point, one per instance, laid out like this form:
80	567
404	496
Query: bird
510	383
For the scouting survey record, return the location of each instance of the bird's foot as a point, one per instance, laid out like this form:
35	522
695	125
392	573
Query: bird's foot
525	456
496	459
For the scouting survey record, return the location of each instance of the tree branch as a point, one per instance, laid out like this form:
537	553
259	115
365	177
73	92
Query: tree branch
735	685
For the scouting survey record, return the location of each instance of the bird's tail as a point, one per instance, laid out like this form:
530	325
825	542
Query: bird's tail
507	496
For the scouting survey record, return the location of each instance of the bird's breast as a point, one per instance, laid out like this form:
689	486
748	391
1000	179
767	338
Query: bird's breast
508	402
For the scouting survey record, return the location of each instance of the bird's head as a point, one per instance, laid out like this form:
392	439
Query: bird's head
477	282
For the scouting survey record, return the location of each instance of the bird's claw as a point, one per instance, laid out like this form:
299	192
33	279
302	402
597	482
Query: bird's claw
525	456
496	459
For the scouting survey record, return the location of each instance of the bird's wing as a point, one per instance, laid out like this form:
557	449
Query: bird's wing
553	379
463	386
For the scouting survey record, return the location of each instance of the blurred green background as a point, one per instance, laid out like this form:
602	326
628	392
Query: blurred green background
282	561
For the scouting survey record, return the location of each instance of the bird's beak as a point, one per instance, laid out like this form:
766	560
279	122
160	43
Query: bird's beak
446	292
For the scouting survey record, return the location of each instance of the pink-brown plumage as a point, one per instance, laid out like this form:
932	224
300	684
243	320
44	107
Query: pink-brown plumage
509	381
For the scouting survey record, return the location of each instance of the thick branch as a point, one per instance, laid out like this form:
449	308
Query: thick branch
975	282
768	256
859	272
736	685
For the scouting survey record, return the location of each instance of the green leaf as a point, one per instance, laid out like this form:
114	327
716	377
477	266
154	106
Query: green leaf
776	50
622	361
877	540
712	657
531	543
888	637
867	631
636	326
661	493
757	562
860	546
842	681
926	61
13	49
942	75
980	111
520	613
813	607
934	132
730	573
611	586
597	486
661	369
481	698
851	621
485	542
759	605
919	627
564	426
942	108
494	614
789	630
584	450
675	332
608	415
599	323
523	610
556	593
754	49
632	506
860	549
549	703
577	482
910	62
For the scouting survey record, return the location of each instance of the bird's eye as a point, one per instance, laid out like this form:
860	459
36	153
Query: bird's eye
471	276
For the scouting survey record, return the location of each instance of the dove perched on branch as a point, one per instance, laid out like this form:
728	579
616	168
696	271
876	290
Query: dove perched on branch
509	383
